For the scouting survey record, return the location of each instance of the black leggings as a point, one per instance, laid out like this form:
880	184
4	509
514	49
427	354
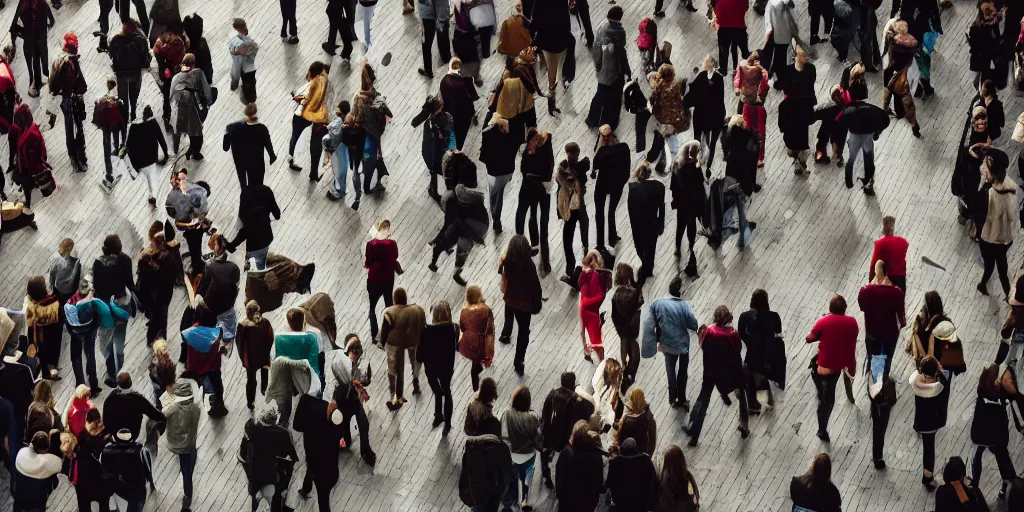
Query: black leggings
474	375
687	223
820	10
523	337
378	290
568	233
928	444
250	384
994	256
442	388
299	124
613	203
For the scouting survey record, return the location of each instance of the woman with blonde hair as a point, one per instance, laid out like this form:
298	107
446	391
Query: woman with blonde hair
594	283
42	417
81	403
311	111
255	338
162	372
476	321
638	422
436	352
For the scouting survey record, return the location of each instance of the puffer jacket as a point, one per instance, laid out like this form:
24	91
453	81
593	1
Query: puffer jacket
1000	223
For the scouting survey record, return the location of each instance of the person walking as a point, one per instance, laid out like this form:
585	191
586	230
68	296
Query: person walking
400	333
350	396
247	140
268	457
562	407
820	11
612	66
487	471
67	81
751	81
141	145
338	158
688	199
36	19
465	216
112	277
580	471
192	26
182	409
169	49
760	329
515	34
522	430
571	204
836	333
632	480
611	165
256	206
814	489
381	261
930	385
434	17
731	25
892	250
667	327
983	40
522	294
31	171
594	283
884	315
723	369
551	25
65	272
796	112
957	493
341	20
457	95
188	205
243	50
438	138
780	32
164	16
706	95
219	288
34	473
996	207
318	420
254	337
311	112
901	48
131	465
498	150
626	303
368	7
990	427
289	25
129	55
439	342
646	218
537	166
191	95
89	485
82	312
108	116
865	123
677	489
125	407
476	324
669	109
637	422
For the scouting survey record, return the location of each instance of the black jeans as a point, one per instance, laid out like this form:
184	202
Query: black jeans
195	144
156	315
687	223
128	88
288	18
522	337
642	118
928	455
700	408
568	233
1006	470
248	85
250	384
430	29
124	10
352	407
774	59
165	91
111	141
442	389
629	353
583	8
606	105
316	148
36	58
336	28
80	343
994	256
194	239
826	389
378	290
74	136
676	370
323	489
820	10
879	425
599	216
528	201
645	241
731	39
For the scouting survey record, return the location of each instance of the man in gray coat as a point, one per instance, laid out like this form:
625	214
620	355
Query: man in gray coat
612	71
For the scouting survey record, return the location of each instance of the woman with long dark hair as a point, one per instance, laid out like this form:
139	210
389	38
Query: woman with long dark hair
758	328
626	303
814	489
921	342
520	286
537	166
990	427
42	316
158	270
436	352
311	111
678	491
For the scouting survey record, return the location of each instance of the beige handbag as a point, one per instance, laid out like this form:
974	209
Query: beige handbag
1018	130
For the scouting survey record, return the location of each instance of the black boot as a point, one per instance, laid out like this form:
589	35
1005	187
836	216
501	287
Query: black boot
691	266
1004	350
552	110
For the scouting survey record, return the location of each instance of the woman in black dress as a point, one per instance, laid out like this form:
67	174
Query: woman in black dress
761	331
796	112
688	198
707	97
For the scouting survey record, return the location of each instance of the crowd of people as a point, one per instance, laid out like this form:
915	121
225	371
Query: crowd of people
601	435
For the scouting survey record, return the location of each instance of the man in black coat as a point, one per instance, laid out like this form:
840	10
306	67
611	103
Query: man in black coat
646	218
632	479
865	123
255	208
247	140
319	423
562	408
124	408
129	54
341	15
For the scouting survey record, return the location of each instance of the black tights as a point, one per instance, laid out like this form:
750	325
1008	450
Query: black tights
568	233
687	223
474	375
994	256
442	388
250	384
316	148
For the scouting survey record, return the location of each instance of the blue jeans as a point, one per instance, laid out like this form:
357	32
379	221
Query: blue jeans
111	341
260	256
187	461
861	143
676	367
339	161
158	391
524	474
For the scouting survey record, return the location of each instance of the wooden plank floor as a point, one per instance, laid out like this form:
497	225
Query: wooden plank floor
813	240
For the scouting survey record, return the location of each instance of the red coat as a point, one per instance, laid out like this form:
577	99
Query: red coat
477	341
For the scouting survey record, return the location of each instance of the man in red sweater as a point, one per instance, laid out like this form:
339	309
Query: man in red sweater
730	21
884	315
836	334
892	250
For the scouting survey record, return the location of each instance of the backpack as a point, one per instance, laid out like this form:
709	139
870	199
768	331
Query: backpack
106	113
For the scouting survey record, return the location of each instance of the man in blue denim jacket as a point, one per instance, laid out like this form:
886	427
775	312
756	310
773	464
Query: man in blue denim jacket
667	325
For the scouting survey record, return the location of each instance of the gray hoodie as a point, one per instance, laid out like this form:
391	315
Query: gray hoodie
65	272
183	411
609	53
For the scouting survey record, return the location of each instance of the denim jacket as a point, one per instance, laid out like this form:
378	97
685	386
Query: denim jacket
668	321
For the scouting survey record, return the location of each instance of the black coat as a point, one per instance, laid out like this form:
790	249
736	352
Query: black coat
256	206
990	426
266	445
611	163
984	42
740	150
124	408
633	482
320	440
562	409
646	206
551	24
757	330
946	500
498	151
824	498
688	194
707	98
580	479
247	143
930	412
458	94
143	140
437	348
863	118
486	470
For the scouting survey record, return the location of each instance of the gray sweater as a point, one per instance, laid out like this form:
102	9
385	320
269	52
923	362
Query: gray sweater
182	414
65	272
522	431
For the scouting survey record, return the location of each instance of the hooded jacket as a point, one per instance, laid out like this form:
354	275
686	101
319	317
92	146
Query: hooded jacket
130	465
609	53
183	411
129	53
498	148
486	470
633	482
35	478
65	272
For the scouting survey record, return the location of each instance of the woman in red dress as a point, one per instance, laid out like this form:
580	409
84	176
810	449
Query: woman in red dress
594	283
